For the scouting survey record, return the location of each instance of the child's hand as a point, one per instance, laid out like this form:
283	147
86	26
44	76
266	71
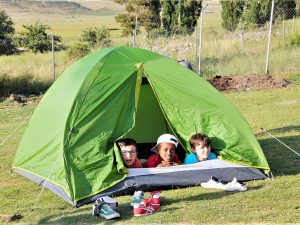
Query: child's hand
166	163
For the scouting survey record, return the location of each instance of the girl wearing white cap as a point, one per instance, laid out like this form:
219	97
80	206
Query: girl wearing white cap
165	152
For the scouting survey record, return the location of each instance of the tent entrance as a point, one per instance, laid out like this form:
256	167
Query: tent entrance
150	122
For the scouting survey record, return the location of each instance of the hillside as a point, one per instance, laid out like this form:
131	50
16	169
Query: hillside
42	6
57	7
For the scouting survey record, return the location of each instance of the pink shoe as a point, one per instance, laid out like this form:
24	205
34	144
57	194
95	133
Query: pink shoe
155	198
144	208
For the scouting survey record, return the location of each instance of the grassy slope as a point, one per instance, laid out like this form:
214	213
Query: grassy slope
269	201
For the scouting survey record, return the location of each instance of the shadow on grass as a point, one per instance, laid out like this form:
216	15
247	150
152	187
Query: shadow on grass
204	196
125	210
282	130
282	160
78	217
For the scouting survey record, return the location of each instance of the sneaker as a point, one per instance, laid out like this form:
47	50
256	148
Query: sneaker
109	201
213	183
234	185
96	206
137	198
155	197
107	212
144	208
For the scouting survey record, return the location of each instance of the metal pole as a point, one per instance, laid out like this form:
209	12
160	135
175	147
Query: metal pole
200	38
196	41
283	32
53	58
269	38
242	38
135	31
133	38
293	24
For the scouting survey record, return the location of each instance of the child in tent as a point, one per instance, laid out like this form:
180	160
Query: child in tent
165	152
200	145
128	148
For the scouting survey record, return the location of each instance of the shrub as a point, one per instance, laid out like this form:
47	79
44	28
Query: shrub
23	84
36	39
77	51
155	33
295	40
96	37
6	31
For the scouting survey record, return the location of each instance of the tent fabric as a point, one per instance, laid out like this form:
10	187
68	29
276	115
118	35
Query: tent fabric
70	139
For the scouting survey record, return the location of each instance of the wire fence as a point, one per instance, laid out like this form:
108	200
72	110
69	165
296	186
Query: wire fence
235	53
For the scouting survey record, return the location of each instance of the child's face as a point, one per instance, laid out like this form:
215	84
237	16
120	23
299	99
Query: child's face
166	151
129	154
202	151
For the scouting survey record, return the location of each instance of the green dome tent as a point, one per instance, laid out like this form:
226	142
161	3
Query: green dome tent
124	92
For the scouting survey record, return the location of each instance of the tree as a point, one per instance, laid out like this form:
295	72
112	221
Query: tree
171	16
36	38
146	12
232	12
96	37
258	12
6	32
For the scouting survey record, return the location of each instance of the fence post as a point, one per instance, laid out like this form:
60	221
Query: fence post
269	38
134	33
200	38
283	32
293	25
196	42
242	38
53	58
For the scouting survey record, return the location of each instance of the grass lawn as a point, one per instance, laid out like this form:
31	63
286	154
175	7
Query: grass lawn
273	201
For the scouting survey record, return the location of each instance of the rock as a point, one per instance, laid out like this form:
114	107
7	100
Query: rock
21	98
2	99
12	97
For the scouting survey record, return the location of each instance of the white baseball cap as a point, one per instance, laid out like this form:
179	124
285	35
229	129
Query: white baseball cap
165	138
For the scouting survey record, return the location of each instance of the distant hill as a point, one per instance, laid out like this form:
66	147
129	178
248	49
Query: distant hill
43	6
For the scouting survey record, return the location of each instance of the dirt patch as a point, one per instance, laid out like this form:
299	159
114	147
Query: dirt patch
15	102
248	82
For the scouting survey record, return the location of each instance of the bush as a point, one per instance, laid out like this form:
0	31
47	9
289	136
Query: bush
96	37
7	47
295	40
77	51
23	84
6	32
36	39
155	33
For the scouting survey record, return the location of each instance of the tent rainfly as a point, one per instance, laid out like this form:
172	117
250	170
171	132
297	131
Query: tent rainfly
69	145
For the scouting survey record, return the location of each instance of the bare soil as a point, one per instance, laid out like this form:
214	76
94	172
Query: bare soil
248	82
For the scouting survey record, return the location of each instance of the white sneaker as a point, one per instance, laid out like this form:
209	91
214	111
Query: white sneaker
234	185
212	183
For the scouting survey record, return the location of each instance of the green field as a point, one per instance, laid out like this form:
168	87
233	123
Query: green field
273	201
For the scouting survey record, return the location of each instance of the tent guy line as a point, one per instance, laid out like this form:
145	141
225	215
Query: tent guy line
19	125
46	180
280	141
